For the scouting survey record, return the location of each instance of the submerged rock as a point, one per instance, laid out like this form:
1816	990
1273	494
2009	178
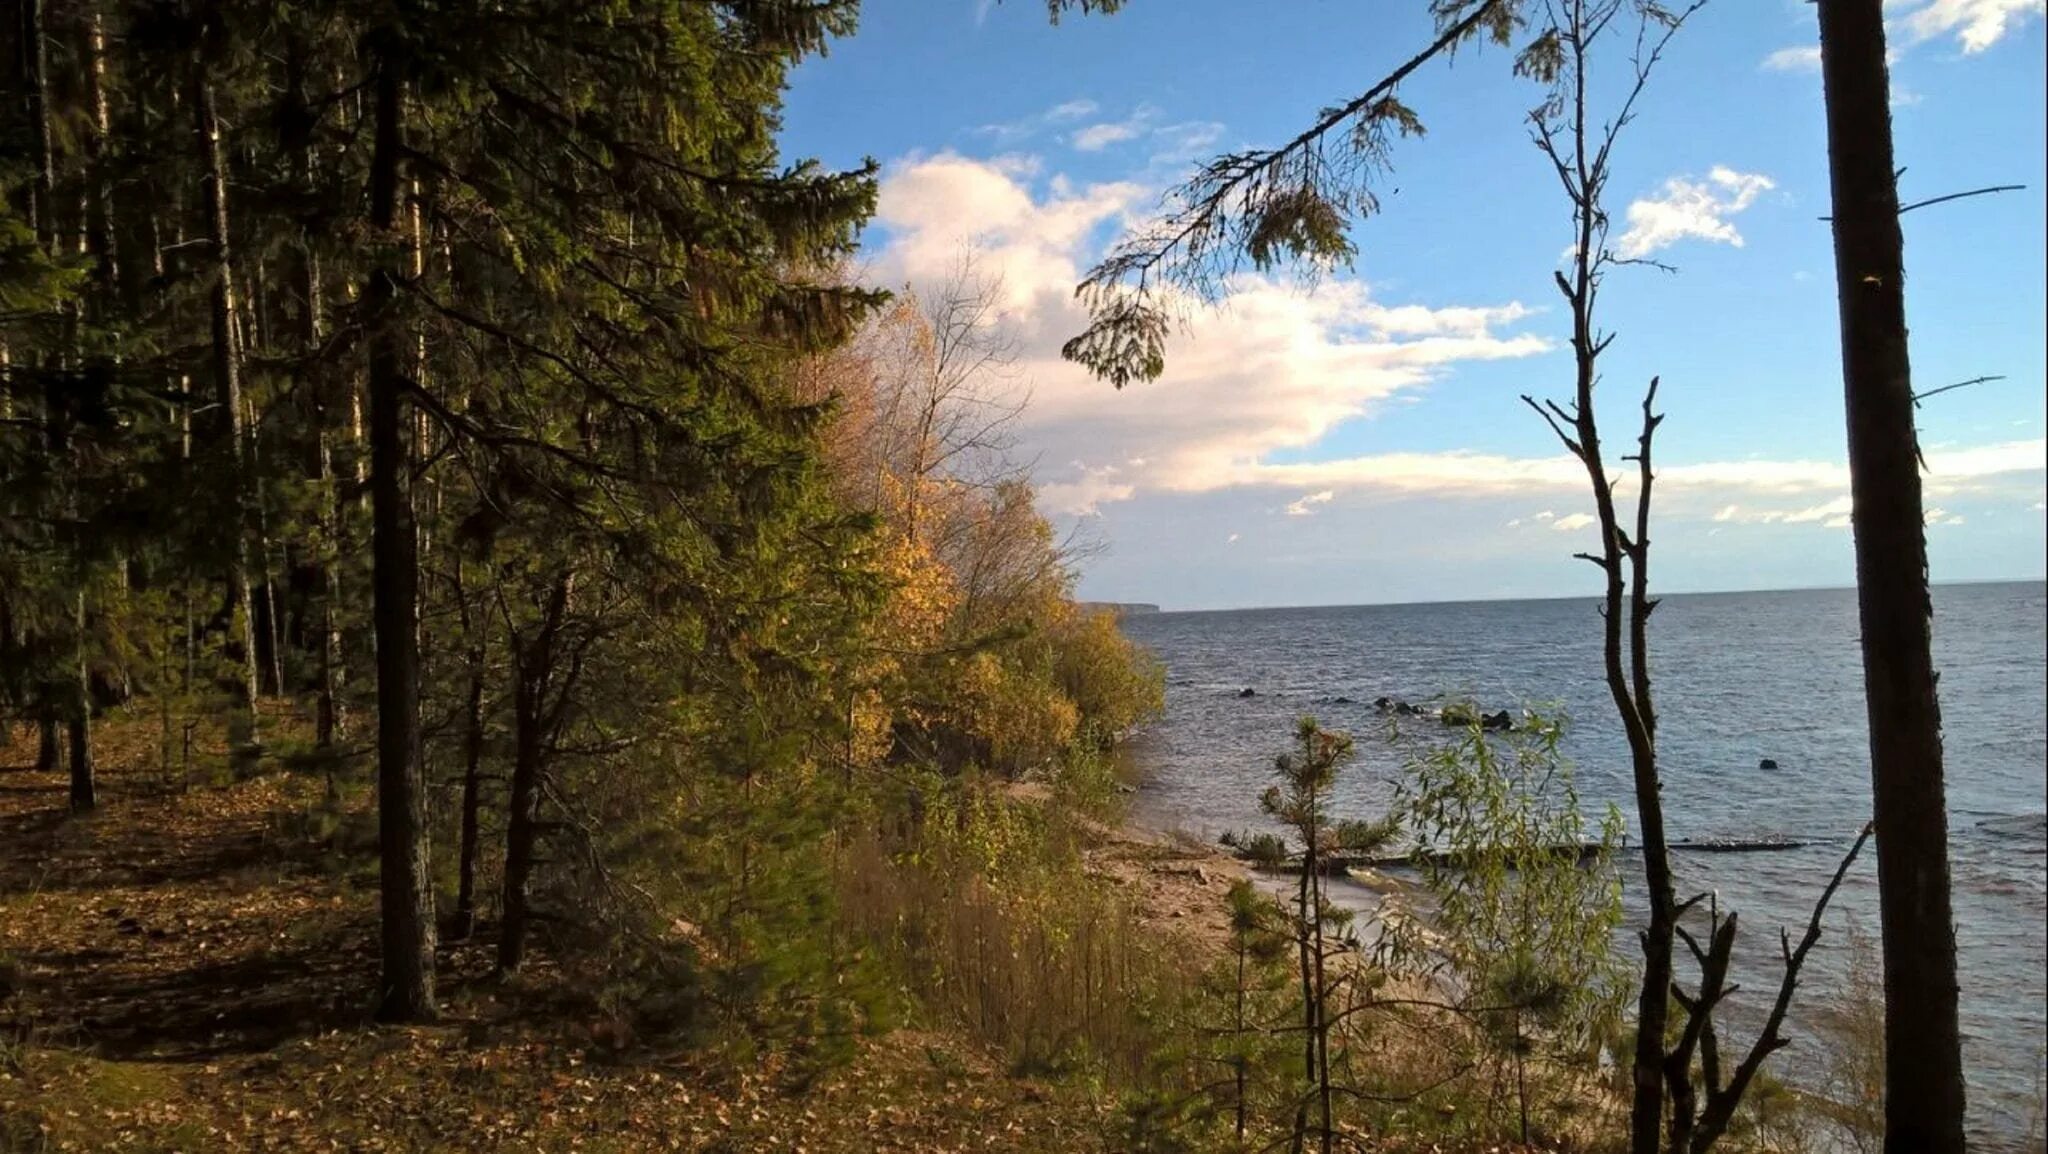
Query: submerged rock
1247	692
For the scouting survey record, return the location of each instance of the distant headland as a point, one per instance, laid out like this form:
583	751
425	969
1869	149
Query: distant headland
1121	608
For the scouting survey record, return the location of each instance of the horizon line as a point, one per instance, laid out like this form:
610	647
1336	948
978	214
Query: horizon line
1163	609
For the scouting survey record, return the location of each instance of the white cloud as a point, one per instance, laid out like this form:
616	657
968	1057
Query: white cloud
1572	522
1096	137
1270	367
1975	24
1009	133
1232	539
1806	58
1176	144
1801	59
1306	505
1100	135
1083	495
1825	512
1691	209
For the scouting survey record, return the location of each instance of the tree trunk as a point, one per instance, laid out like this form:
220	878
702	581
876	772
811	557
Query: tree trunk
84	797
407	896
472	788
523	821
1924	1097
326	577
533	670
227	380
49	750
36	90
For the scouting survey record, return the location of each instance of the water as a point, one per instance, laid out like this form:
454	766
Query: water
1740	677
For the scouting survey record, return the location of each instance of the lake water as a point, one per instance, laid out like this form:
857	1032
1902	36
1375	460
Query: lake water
1740	677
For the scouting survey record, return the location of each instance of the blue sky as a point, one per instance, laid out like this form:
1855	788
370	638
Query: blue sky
1359	440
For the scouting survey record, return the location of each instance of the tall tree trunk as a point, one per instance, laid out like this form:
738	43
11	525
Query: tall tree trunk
1924	1101
407	983
34	49
523	821
533	670
84	795
35	70
326	583
227	381
472	767
329	721
99	243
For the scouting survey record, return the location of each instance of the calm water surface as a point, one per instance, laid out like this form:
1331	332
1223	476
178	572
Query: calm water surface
1740	677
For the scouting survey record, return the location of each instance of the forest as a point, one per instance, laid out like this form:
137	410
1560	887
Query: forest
509	641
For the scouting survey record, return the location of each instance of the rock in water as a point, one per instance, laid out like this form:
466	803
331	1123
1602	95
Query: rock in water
1767	763
1247	692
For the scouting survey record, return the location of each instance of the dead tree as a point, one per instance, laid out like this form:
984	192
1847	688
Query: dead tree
1665	1111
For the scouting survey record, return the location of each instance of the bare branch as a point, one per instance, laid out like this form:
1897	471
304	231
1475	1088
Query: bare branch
1933	200
1721	1104
1919	397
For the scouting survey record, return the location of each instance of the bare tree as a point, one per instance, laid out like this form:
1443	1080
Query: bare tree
1924	1097
1682	1101
946	401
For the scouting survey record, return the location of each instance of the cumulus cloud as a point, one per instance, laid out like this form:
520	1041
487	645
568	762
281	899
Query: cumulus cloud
1691	209
1085	493
1306	505
1256	382
1974	24
1269	367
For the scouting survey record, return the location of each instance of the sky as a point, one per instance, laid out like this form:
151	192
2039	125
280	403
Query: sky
1358	437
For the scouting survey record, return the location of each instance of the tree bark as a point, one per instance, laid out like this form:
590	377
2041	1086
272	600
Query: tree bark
49	749
472	777
533	670
407	896
227	381
521	828
328	721
84	794
1924	1094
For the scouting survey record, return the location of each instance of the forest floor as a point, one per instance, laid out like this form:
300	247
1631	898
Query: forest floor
190	967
